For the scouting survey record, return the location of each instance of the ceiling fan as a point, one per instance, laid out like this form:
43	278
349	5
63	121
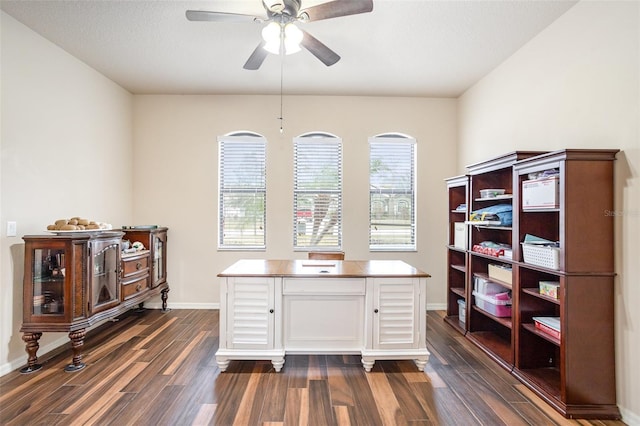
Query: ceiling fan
280	33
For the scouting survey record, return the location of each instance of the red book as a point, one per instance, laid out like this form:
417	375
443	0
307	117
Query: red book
548	330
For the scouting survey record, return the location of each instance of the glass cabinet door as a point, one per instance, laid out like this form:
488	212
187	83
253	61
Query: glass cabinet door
104	278
159	258
48	281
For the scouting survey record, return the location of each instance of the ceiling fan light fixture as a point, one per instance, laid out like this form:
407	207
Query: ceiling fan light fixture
292	38
271	35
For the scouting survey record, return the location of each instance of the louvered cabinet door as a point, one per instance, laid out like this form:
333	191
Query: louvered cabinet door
395	313
250	316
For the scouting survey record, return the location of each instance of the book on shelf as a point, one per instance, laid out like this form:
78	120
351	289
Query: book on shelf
548	325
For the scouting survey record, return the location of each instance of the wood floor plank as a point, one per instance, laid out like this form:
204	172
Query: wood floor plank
179	360
296	410
320	411
93	401
499	406
205	415
386	401
408	403
366	411
444	406
343	417
338	387
144	398
230	387
275	404
252	399
144	342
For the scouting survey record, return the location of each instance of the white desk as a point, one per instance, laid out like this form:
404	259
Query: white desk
269	308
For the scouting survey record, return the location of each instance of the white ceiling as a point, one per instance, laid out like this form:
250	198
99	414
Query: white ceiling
402	48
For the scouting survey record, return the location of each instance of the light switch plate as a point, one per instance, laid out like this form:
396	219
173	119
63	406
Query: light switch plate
12	229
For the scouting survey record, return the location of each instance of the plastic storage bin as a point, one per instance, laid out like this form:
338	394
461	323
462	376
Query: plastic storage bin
498	305
462	311
484	286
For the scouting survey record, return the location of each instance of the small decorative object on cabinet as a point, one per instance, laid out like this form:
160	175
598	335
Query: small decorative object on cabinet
74	280
565	284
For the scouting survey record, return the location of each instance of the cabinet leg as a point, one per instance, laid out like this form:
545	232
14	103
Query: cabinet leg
277	364
31	339
368	364
164	296
77	341
421	363
223	363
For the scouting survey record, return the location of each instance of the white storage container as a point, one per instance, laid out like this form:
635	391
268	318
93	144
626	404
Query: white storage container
484	286
460	235
462	312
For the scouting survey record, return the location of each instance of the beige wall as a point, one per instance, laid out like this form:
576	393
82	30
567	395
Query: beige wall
576	85
176	144
66	151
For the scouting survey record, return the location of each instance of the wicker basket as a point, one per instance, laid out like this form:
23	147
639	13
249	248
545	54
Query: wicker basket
547	257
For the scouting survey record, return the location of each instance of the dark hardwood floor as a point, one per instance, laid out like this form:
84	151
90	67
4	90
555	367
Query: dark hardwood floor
159	368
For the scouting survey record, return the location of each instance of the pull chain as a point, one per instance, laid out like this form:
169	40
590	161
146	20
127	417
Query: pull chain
281	118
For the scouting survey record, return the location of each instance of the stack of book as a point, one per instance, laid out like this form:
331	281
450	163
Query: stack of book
548	325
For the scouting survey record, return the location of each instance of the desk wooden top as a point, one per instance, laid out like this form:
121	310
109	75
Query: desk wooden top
322	268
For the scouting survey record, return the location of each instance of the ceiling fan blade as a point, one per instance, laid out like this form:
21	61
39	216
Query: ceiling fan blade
257	58
206	15
335	9
318	49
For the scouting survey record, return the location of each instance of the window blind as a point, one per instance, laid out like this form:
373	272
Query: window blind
242	192
392	219
317	198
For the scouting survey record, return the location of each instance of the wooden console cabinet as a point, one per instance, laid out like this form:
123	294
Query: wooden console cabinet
75	280
269	308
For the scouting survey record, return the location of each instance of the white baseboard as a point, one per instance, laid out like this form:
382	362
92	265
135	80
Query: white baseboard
22	361
436	306
630	418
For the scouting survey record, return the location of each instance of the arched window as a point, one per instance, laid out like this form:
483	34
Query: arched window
242	189
392	194
317	192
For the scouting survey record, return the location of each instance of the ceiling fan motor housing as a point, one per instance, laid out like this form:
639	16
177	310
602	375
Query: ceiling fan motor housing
287	7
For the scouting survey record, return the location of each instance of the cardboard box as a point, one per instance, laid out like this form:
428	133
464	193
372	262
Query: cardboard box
500	272
550	288
541	193
460	235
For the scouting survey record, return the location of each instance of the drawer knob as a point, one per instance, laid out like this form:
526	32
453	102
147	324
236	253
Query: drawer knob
139	287
138	265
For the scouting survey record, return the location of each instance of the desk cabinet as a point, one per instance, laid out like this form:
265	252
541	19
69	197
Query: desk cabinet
267	311
248	316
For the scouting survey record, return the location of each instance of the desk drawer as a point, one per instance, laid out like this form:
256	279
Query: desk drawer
324	286
134	265
135	287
